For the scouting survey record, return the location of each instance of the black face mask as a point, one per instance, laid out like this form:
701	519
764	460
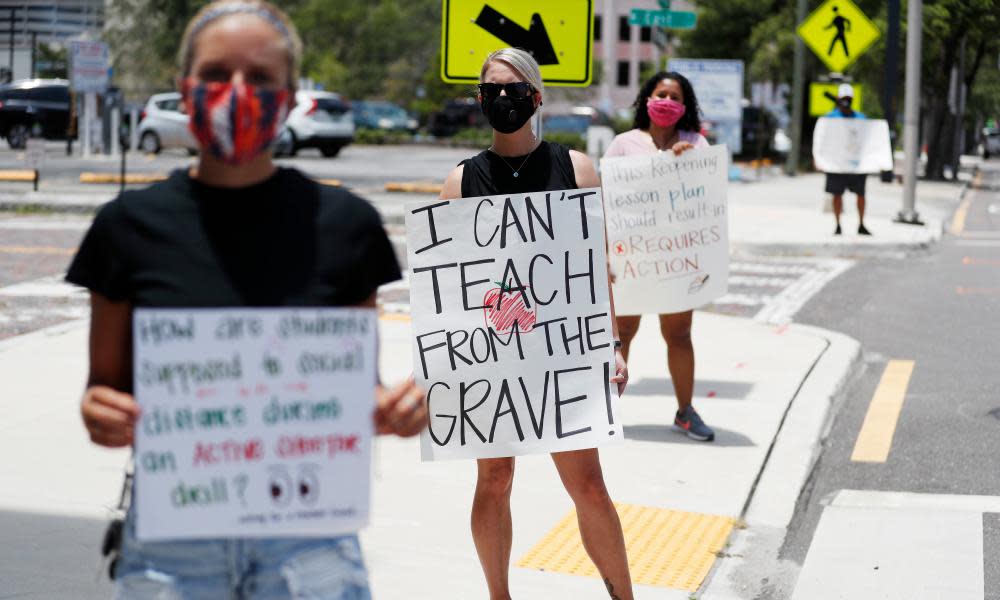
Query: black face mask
507	114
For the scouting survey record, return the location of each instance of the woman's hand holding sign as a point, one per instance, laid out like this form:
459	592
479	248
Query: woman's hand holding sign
401	410
109	416
621	372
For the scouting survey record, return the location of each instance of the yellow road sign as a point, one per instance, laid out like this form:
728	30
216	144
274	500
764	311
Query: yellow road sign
558	33
838	32
820	103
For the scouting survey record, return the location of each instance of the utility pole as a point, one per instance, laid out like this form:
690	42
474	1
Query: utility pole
34	45
10	56
891	73
911	115
798	82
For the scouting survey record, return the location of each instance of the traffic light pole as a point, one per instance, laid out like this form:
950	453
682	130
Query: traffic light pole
911	116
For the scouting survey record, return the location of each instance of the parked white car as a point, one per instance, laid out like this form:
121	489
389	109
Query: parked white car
164	124
319	120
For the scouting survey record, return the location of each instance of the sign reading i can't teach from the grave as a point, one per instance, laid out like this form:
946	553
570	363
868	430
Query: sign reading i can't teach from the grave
255	422
558	33
512	324
668	233
838	33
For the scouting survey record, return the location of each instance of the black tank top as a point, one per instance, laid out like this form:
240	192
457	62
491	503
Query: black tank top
548	168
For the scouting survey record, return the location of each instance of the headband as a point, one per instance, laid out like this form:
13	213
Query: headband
234	8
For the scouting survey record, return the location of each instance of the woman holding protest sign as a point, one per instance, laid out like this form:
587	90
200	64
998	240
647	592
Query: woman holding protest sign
234	231
511	92
666	119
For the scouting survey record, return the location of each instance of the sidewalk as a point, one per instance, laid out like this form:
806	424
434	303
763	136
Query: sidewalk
748	376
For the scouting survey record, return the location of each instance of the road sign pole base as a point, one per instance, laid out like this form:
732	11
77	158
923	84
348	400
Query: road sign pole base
908	218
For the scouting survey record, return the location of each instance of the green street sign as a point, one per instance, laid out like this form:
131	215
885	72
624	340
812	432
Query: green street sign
674	19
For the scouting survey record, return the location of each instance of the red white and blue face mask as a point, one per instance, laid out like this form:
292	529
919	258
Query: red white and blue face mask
234	122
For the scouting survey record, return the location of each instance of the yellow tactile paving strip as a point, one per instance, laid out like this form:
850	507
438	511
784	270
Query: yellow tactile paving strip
666	548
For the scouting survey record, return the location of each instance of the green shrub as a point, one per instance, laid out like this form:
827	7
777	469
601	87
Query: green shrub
381	136
573	141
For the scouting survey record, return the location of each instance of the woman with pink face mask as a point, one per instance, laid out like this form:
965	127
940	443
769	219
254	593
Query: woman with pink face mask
667	120
233	231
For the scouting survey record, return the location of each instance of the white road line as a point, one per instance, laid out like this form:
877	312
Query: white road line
761	281
43	225
912	500
782	307
979	243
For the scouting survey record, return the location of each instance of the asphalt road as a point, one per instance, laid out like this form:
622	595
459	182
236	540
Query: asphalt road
940	310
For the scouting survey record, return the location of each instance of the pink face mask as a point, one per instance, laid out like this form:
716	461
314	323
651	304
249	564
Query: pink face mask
664	112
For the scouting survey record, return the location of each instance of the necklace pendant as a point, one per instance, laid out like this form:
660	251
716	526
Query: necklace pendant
515	174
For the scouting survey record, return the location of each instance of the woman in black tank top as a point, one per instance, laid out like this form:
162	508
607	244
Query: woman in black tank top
518	163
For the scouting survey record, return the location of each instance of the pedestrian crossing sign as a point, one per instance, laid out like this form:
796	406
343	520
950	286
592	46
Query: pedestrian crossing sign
838	32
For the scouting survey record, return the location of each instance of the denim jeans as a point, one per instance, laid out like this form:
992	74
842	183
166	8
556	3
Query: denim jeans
241	569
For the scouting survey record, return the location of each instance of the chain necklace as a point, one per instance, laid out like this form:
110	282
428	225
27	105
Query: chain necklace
518	169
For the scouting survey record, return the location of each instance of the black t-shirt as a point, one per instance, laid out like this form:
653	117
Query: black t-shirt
286	241
548	168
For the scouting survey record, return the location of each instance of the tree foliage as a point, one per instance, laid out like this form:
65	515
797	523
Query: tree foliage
762	34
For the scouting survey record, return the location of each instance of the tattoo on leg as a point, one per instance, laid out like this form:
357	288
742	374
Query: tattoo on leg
611	589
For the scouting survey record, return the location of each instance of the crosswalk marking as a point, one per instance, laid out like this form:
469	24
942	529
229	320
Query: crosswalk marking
875	438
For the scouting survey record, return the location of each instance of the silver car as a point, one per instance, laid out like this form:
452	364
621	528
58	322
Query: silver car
319	120
164	124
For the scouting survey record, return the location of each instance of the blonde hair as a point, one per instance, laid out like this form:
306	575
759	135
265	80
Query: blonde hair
220	9
521	61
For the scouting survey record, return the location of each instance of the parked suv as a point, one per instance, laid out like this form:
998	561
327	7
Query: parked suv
164	124
319	120
34	108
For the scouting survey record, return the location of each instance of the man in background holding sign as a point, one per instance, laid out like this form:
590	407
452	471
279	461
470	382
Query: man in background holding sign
245	294
514	336
848	145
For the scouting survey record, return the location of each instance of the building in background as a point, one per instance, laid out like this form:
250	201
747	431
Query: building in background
25	24
626	52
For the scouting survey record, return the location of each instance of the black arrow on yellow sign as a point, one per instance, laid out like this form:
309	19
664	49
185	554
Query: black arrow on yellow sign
535	39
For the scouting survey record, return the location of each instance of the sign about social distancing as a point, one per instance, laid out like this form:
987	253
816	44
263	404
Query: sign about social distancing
668	234
512	325
255	422
852	145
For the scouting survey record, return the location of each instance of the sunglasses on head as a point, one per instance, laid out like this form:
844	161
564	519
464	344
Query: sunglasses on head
518	89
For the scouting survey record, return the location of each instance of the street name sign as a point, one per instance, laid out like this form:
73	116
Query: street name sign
674	19
558	33
838	32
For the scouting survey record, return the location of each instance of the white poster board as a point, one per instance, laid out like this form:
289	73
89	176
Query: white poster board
255	422
89	64
718	85
511	324
852	145
668	229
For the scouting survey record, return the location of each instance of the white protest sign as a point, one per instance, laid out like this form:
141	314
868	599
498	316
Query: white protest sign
668	230
89	63
255	422
511	324
852	145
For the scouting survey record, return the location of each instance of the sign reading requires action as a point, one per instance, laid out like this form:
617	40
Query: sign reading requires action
838	32
668	230
512	324
558	33
255	423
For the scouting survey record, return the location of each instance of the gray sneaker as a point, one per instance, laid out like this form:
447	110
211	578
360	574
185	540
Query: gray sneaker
690	423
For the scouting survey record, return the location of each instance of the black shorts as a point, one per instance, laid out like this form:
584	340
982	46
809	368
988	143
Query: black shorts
836	183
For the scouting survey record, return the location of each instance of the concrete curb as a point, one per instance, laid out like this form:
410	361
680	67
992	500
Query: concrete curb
750	564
